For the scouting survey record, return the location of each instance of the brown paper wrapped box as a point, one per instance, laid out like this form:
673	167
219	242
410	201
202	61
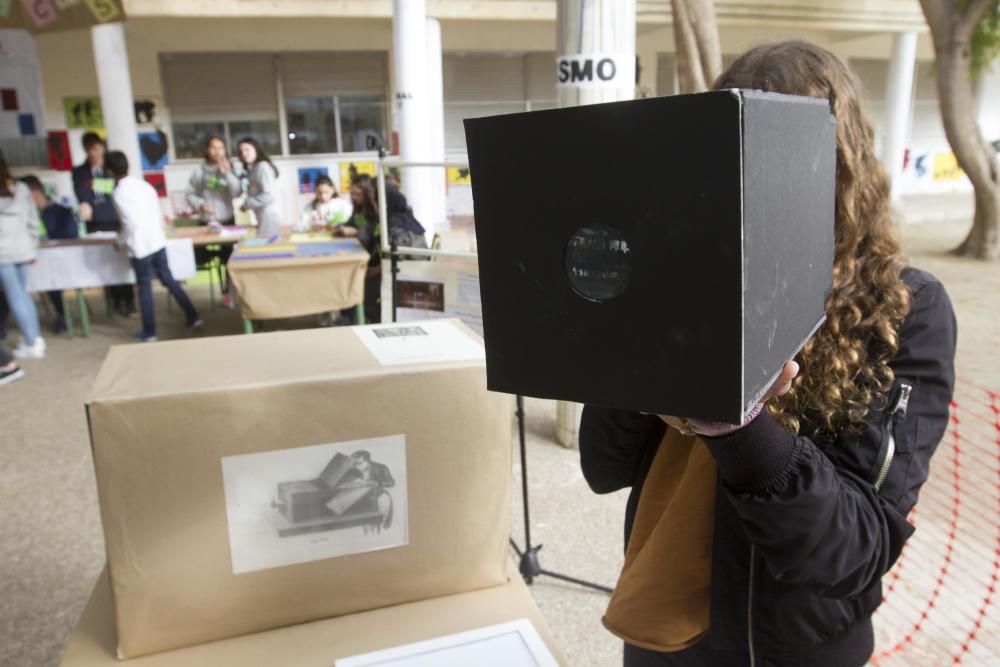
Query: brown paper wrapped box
320	643
252	482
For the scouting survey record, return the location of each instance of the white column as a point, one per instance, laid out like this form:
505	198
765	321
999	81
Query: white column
409	57
595	51
595	62
898	103
988	101
437	181
115	85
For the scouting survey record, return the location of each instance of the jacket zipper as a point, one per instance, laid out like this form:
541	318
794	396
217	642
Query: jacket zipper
897	413
753	658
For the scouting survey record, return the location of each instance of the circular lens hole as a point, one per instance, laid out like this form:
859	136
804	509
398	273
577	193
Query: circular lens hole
598	262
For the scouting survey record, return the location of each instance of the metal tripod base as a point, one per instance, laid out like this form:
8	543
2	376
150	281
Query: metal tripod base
531	568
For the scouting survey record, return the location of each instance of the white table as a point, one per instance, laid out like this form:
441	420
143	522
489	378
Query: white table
88	262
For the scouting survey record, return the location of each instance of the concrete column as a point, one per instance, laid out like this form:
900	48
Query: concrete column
437	181
988	101
595	62
115	85
595	51
409	58
898	104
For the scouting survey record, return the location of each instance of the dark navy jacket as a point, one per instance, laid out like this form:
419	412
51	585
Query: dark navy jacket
105	216
60	222
802	535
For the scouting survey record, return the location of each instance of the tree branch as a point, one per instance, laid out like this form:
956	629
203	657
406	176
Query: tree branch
970	17
938	14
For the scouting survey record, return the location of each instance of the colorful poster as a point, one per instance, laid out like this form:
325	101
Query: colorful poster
146	110
41	11
26	124
153	150
308	176
459	176
59	153
104	10
9	96
83	112
350	170
158	182
946	167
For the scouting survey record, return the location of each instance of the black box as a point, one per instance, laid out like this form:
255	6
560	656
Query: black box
663	255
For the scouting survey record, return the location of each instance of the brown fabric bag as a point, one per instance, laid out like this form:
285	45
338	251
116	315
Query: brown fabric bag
662	598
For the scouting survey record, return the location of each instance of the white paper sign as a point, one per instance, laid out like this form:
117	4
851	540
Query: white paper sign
514	644
420	343
595	70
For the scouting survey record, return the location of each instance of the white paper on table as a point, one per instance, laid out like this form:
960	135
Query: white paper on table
419	314
513	644
424	342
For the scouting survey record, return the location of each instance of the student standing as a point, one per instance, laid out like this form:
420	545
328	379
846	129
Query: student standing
93	187
326	210
142	235
766	542
60	224
18	246
213	185
262	188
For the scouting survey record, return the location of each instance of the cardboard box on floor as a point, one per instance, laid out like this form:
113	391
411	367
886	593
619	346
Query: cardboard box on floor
252	482
320	643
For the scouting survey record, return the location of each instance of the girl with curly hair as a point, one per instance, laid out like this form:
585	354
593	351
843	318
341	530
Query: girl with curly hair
764	543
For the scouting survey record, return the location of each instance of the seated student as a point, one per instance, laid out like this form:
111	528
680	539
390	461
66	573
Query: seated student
142	235
364	226
326	210
59	223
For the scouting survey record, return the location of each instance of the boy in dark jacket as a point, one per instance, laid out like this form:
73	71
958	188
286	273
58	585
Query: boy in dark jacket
60	224
93	187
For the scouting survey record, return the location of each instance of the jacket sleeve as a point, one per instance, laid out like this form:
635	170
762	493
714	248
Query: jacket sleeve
817	520
195	189
235	184
84	194
612	443
268	182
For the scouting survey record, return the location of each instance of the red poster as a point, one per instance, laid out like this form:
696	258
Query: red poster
157	180
59	156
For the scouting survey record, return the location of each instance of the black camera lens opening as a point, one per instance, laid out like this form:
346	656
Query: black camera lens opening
598	262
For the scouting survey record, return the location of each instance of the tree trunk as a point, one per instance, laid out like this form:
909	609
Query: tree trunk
952	33
696	38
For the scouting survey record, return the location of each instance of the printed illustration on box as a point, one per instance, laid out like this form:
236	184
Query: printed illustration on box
314	502
351	491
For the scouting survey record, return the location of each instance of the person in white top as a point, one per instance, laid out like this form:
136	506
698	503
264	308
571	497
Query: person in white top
143	237
326	211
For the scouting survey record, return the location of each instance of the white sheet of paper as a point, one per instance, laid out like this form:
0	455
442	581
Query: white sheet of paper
419	343
513	644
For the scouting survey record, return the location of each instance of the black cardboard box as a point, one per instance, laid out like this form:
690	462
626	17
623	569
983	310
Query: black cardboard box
664	255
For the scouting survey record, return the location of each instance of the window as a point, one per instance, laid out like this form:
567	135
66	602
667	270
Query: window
190	138
335	101
478	84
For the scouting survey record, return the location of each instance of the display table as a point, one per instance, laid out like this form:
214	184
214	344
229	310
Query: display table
93	261
320	643
276	278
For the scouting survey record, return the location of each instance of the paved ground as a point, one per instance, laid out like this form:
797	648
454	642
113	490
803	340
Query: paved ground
52	549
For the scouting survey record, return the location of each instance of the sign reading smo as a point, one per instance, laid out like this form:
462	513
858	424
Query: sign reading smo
595	70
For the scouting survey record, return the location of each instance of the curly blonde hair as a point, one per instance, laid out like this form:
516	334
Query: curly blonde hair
845	365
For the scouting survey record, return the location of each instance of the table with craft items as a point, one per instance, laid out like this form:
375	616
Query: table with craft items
305	274
93	261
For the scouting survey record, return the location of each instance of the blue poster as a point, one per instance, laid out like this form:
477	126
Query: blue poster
308	176
26	124
153	150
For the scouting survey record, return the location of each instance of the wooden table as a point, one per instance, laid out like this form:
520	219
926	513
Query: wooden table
93	261
303	275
